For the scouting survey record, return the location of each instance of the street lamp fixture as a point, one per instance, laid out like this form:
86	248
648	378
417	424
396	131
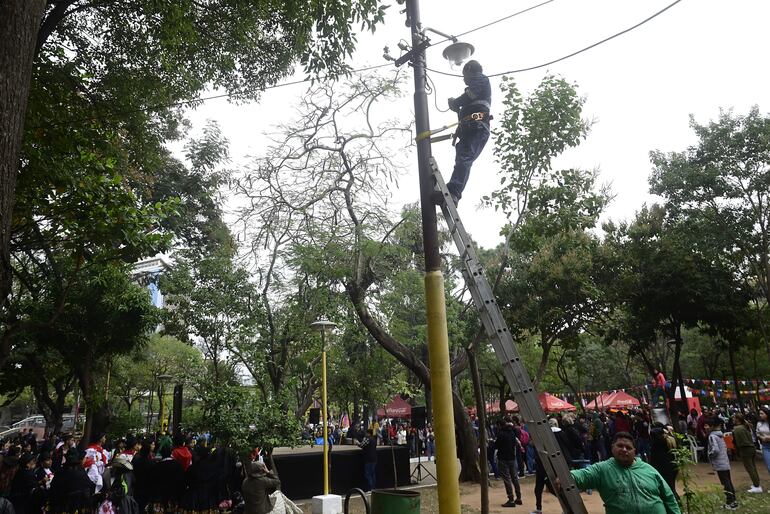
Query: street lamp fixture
455	53
324	326
458	52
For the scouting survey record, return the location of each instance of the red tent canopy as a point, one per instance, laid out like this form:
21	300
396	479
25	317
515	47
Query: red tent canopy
600	402
551	403
623	400
397	408
616	400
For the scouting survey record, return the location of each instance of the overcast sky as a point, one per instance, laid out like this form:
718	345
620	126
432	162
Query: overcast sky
640	88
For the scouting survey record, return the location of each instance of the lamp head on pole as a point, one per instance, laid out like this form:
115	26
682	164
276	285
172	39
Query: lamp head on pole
458	52
323	325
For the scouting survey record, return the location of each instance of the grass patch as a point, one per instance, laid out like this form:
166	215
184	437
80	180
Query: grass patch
710	501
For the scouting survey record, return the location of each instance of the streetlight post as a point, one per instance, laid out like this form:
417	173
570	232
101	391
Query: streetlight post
323	326
162	393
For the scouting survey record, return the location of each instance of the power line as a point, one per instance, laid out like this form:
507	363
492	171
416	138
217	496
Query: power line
480	27
115	114
504	18
275	86
629	29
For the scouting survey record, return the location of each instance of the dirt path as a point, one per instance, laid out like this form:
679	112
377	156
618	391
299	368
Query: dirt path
705	478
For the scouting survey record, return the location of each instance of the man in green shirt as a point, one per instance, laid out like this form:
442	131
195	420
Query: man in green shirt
626	484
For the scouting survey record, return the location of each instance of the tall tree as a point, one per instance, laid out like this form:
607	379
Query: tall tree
548	211
553	289
325	182
723	181
216	308
19	22
666	281
106	315
128	61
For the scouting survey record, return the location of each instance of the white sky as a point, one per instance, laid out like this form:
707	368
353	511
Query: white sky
640	88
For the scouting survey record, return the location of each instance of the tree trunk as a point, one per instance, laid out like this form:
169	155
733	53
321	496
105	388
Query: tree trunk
465	439
306	399
541	368
481	415
731	354
85	379
19	24
677	372
354	418
466	442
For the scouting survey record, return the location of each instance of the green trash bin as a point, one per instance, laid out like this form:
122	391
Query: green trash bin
395	501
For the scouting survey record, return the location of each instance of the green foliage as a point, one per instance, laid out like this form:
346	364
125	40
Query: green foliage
134	375
531	133
216	306
172	51
237	416
124	422
666	281
716	189
583	367
360	370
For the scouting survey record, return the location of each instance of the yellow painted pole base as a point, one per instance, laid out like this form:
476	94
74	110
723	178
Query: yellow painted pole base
441	394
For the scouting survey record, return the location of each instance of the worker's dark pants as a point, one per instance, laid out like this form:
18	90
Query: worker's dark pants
473	137
727	483
510	477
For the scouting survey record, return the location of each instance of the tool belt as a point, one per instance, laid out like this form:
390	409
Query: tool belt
477	116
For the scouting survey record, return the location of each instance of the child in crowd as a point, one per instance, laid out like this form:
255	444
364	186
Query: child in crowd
717	451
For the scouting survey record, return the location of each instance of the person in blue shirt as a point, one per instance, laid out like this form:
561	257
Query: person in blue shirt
472	108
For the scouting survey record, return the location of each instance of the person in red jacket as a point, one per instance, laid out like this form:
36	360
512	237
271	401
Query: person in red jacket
659	387
181	452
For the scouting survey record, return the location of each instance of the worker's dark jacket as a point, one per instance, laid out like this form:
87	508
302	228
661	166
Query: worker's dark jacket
476	98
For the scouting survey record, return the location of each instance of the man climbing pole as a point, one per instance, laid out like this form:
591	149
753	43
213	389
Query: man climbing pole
473	131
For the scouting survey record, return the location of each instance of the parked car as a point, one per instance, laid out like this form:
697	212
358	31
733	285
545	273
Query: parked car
38	425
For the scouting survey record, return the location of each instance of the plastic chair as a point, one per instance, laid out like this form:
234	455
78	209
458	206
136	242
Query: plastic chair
694	447
732	451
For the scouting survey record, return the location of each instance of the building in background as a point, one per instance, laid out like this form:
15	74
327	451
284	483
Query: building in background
146	272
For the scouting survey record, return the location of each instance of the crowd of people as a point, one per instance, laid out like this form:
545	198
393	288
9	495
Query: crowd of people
186	473
419	441
597	445
130	475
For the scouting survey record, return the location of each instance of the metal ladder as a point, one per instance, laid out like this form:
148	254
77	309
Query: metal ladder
515	373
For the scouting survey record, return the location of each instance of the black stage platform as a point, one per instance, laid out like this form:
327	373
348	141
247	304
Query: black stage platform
301	469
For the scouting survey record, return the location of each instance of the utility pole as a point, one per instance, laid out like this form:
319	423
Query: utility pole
438	338
500	338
